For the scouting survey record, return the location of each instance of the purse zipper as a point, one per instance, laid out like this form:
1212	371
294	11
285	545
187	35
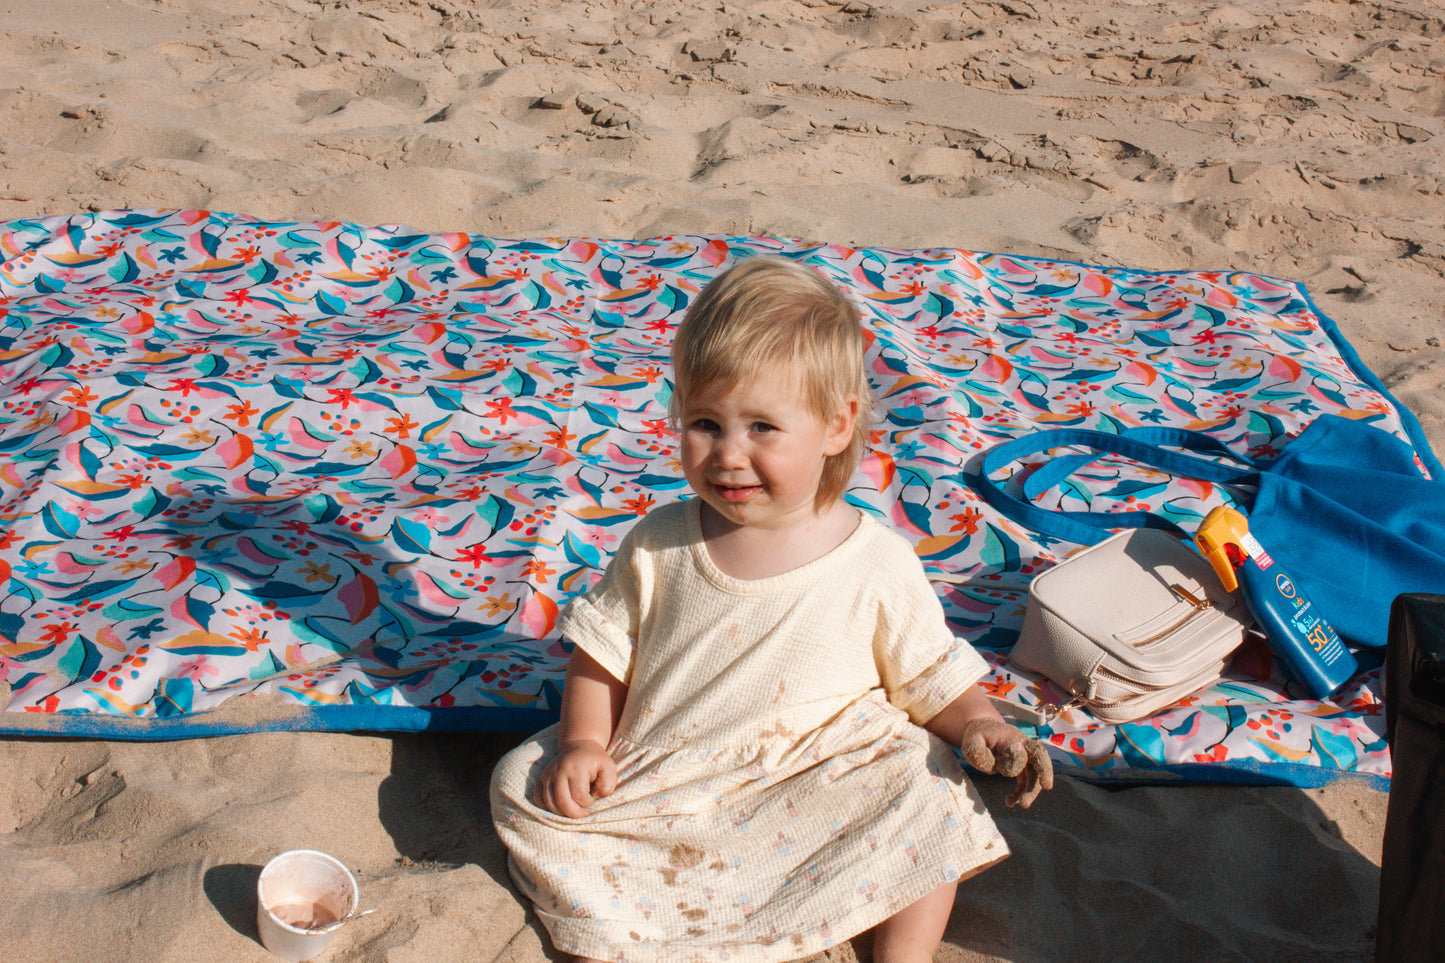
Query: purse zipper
1081	699
1084	699
1197	605
1108	673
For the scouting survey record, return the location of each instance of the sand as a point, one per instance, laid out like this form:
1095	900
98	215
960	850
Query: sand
1299	139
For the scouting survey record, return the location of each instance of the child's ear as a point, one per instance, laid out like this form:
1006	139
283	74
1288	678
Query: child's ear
840	428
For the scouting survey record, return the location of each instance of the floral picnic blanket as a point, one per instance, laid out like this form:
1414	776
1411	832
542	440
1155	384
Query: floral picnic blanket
317	475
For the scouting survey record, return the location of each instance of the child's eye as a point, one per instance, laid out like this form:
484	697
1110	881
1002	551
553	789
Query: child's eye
762	427
704	424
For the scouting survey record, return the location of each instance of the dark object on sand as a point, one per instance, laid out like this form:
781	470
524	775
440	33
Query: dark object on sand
1412	876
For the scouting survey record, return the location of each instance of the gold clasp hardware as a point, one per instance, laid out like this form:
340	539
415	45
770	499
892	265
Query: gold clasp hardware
1052	711
1190	597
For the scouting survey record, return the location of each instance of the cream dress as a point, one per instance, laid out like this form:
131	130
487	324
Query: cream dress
775	794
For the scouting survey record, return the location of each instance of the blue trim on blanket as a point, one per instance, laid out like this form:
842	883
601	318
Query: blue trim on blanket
1232	772
378	718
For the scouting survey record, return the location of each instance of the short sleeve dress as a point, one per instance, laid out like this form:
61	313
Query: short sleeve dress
776	793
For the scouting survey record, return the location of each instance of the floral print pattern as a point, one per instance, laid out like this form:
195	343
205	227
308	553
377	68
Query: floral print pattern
360	469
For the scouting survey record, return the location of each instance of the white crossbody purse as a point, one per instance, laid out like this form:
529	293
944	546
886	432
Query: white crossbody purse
1130	626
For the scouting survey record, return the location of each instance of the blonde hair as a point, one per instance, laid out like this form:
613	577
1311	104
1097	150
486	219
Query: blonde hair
769	312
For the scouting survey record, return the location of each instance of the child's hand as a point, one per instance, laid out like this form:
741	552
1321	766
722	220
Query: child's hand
994	746
581	773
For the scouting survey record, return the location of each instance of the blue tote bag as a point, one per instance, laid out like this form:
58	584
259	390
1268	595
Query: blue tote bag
1344	509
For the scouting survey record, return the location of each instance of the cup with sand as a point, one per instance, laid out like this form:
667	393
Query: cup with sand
302	898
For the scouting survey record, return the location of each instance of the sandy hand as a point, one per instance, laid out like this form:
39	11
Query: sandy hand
579	775
994	746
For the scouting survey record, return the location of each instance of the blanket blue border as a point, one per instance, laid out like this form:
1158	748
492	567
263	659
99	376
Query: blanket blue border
220	722
1231	772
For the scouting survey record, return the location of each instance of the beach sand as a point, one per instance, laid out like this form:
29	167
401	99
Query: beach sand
1297	139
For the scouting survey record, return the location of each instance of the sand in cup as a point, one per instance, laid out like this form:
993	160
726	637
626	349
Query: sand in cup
302	898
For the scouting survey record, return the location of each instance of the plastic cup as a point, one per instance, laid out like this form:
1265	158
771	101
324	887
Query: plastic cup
302	898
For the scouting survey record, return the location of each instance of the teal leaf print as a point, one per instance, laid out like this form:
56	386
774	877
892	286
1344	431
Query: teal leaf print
1142	746
80	660
174	698
999	552
59	522
1334	751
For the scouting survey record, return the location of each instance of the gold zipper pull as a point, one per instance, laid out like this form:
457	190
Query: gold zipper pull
1190	597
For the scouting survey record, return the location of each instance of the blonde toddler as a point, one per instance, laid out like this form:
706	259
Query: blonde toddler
755	755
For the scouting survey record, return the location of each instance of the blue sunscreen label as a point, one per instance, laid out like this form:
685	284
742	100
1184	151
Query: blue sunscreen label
1315	630
1305	642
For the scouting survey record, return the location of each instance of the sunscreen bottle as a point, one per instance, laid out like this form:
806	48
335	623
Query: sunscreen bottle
1305	643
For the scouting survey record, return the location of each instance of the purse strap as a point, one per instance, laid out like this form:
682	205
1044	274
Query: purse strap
1143	445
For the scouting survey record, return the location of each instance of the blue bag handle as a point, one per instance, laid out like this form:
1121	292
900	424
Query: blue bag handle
1142	445
1055	471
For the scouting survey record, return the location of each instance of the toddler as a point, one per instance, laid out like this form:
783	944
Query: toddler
754	757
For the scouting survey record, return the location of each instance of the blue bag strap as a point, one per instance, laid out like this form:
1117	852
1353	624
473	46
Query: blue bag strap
1139	445
1056	470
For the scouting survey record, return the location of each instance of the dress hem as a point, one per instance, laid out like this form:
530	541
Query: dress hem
782	950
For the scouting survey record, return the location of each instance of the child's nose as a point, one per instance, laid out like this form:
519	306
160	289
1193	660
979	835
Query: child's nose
731	452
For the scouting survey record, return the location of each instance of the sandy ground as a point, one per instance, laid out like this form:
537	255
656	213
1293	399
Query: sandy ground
1301	139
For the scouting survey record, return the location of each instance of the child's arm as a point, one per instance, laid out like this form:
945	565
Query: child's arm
583	771
991	745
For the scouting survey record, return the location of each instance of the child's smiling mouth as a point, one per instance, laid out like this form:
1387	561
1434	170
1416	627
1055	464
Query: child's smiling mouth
736	493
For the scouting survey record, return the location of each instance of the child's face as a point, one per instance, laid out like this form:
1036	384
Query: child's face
755	454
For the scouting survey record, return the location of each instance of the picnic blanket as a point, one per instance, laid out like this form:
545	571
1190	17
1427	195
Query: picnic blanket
261	475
